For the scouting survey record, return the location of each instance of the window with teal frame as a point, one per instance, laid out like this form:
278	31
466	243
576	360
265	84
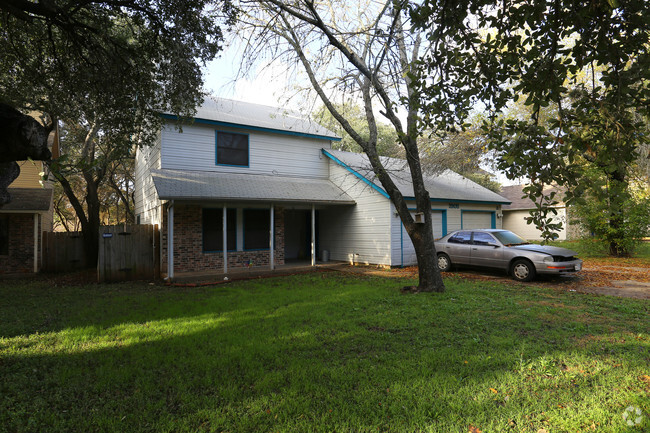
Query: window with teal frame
232	149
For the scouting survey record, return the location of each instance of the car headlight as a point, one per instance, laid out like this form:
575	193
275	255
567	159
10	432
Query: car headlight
548	259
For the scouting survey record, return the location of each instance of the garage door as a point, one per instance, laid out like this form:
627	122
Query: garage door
477	220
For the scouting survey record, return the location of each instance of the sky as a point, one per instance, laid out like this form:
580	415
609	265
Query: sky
268	86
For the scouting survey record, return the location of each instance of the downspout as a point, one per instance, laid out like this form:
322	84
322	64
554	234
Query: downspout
225	239
170	240
313	235
271	240
35	242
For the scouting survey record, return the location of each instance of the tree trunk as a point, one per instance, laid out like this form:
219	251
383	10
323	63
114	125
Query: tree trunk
425	251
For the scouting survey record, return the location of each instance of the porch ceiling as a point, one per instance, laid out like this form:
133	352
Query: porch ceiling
201	185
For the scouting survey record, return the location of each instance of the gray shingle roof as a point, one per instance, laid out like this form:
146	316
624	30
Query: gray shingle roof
28	200
260	116
445	186
200	185
514	194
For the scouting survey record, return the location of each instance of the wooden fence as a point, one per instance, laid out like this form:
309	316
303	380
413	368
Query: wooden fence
128	253
63	252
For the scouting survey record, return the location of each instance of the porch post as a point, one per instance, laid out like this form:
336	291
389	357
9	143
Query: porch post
313	235
35	242
170	240
225	240
272	240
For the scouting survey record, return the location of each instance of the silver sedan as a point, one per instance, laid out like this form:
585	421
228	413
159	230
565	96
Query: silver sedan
502	249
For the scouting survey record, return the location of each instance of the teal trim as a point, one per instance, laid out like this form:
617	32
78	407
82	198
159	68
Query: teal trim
444	218
356	173
447	200
493	217
216	149
253	128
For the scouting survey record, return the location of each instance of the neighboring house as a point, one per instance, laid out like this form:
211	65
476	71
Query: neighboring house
23	220
515	214
241	169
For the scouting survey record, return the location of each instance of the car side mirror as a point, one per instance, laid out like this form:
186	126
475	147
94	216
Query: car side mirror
494	245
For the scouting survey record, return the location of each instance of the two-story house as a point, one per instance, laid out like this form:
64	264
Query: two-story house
251	185
23	220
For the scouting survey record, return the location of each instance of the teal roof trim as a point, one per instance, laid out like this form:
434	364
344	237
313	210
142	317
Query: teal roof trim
356	173
253	128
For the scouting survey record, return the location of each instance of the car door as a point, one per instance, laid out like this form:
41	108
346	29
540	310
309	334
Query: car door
458	247
486	251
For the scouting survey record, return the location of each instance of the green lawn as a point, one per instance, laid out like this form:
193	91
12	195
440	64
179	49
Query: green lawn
323	352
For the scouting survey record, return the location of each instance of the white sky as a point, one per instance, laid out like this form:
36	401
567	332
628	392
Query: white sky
268	87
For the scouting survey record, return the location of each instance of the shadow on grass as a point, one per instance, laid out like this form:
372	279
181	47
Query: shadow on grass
323	353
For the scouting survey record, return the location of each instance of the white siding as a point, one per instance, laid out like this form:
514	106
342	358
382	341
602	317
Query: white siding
359	233
515	221
269	153
147	204
402	249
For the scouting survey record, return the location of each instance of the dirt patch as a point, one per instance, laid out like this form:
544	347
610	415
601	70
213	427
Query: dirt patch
628	279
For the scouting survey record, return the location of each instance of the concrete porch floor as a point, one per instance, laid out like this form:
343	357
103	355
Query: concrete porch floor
218	276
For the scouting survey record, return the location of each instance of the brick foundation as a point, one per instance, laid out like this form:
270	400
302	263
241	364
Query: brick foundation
188	244
21	245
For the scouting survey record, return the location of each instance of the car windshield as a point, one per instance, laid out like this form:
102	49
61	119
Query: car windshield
509	238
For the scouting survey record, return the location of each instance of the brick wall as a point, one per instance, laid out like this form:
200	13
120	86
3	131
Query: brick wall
188	244
21	245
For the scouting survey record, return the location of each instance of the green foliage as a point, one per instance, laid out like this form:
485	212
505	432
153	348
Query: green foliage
387	143
120	61
588	62
595	217
318	353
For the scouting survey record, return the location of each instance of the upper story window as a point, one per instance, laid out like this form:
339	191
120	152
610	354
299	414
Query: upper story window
232	149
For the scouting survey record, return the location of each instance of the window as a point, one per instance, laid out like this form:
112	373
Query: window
4	235
213	229
481	238
256	229
461	238
232	149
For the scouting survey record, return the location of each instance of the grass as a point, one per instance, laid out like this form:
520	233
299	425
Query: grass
319	353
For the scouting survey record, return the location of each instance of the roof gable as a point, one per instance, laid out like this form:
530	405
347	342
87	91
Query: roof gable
447	186
514	193
237	114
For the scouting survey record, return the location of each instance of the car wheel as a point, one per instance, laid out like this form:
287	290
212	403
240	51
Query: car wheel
523	270
444	263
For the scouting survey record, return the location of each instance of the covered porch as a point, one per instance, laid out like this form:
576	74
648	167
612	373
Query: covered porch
219	224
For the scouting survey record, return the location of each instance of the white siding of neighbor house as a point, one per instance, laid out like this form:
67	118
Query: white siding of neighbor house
359	233
402	250
269	153
147	204
515	221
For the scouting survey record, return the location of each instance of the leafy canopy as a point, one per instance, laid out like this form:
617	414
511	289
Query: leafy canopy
586	60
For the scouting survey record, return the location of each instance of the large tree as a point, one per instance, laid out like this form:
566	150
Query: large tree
491	53
108	67
364	50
